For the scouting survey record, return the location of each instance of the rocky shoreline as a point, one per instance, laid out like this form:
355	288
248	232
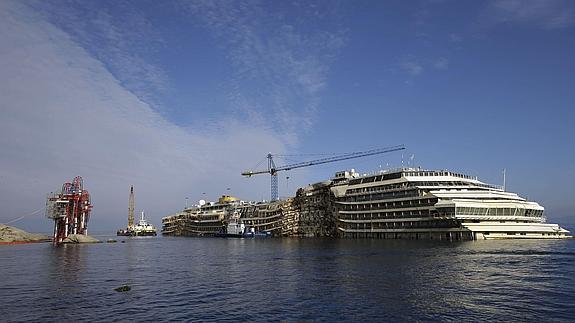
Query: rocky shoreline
11	235
80	238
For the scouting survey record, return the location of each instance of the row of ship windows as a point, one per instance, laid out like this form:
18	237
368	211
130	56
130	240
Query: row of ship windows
444	173
202	228
388	205
508	233
490	211
385	215
381	196
377	188
414	184
202	217
184	218
314	199
377	178
264	213
522	234
448	183
394	225
264	226
190	219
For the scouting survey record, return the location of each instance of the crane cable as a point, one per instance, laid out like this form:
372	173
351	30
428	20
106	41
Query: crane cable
26	215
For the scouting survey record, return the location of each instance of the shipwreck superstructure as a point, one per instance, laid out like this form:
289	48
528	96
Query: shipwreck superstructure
405	203
228	215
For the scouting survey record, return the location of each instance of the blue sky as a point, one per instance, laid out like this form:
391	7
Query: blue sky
178	97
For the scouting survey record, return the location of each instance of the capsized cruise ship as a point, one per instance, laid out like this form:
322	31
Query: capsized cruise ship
413	203
206	219
405	203
228	217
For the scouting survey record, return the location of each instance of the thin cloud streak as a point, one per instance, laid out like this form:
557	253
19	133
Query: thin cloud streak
411	66
280	66
118	43
441	64
64	114
546	14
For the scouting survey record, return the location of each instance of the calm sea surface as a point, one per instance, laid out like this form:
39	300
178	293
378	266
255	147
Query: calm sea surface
211	279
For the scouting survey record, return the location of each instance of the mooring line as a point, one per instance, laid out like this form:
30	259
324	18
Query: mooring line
23	216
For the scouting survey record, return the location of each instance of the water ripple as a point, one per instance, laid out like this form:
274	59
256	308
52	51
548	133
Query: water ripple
191	279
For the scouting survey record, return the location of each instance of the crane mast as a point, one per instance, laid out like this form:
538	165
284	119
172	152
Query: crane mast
273	170
131	209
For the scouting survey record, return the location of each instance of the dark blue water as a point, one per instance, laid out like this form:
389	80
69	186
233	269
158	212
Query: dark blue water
203	279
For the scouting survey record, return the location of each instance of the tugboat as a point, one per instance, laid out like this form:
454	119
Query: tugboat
237	229
143	228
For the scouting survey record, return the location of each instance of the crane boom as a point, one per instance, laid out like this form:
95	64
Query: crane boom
250	173
341	157
272	169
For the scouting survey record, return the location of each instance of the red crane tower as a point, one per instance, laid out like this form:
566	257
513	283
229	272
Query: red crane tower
70	210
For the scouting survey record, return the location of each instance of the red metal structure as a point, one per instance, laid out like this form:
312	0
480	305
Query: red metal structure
70	210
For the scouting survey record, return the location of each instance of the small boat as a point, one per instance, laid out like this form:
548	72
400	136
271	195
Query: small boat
235	229
254	234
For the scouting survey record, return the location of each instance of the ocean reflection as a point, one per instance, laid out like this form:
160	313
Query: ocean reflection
195	279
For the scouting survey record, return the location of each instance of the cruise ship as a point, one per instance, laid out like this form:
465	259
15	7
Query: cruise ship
405	203
412	203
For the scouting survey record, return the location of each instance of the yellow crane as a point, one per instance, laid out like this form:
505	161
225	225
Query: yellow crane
131	209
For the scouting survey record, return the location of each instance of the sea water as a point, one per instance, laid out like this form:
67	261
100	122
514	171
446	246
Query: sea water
289	279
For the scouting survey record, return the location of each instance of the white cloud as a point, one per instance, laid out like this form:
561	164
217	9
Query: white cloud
280	65
412	67
62	114
441	63
119	41
547	14
455	38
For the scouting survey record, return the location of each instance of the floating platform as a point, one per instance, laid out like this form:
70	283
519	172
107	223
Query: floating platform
142	229
136	233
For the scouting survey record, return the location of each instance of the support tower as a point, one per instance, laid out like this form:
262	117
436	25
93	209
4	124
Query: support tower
70	210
